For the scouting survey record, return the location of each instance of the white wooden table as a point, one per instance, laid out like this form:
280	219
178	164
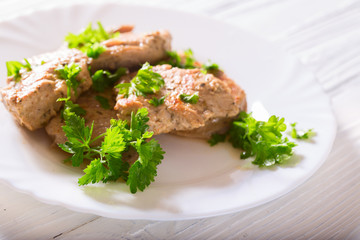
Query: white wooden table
325	36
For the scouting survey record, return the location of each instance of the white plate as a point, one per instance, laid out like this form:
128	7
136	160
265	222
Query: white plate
194	180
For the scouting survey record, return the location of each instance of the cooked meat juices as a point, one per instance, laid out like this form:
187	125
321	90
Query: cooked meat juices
219	99
130	50
32	101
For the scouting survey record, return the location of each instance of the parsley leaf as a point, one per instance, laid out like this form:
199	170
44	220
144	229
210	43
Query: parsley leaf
157	101
192	99
27	65
138	126
69	74
104	102
189	61
71	107
145	82
78	136
210	67
175	59
144	170
88	40
216	138
95	50
263	140
14	69
103	79
106	159
302	135
259	139
94	173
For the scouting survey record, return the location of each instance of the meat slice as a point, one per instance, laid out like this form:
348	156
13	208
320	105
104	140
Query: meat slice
131	50
219	101
222	124
32	101
94	113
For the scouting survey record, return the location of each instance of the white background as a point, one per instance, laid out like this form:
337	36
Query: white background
324	35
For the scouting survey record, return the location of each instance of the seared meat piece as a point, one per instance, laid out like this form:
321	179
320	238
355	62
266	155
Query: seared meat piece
94	113
218	125
130	50
32	101
218	100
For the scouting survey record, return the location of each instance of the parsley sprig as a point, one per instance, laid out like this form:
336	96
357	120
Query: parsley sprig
104	102
259	139
157	101
15	68
106	158
103	79
69	106
189	61
176	60
210	67
69	74
145	82
300	134
88	41
192	99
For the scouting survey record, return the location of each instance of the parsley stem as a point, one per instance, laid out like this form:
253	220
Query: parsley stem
101	135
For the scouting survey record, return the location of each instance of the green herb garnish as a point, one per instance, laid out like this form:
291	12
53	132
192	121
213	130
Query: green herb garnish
217	138
106	159
189	61
145	82
175	59
69	74
259	139
157	101
95	50
14	68
88	40
302	135
104	102
69	106
210	67
192	99
103	79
